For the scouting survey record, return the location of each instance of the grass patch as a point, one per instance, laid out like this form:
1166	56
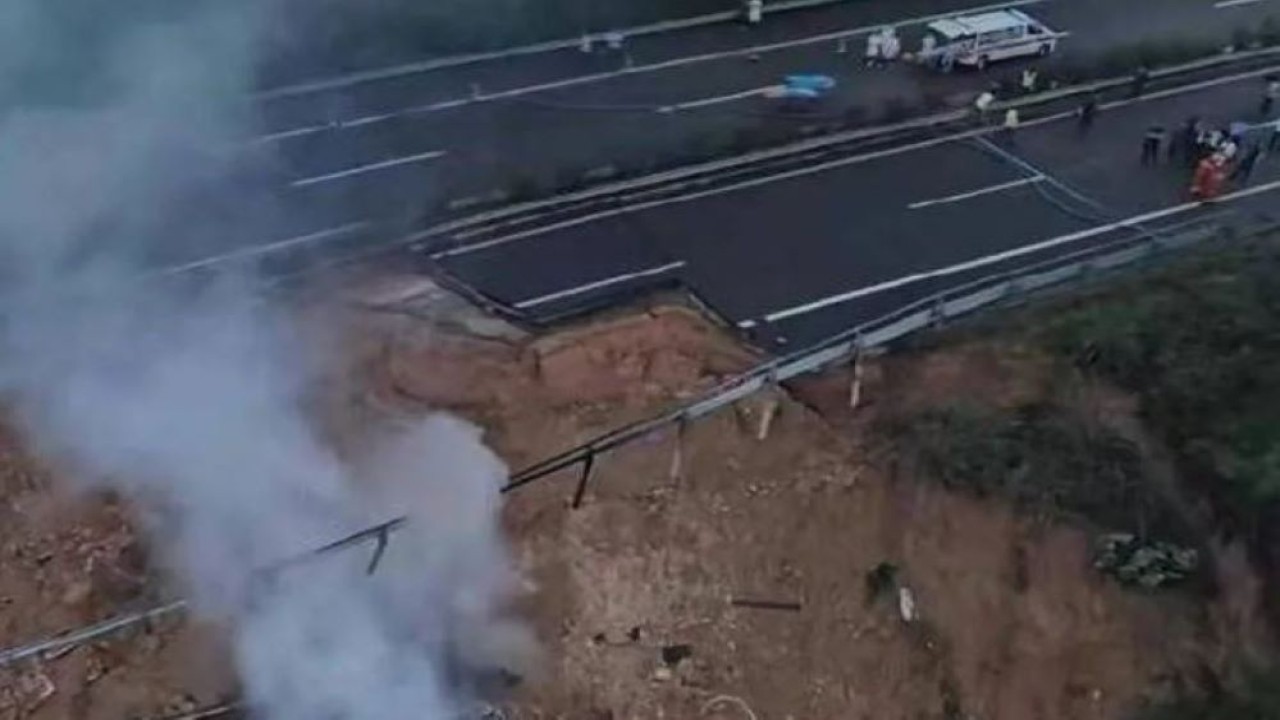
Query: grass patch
1040	457
1199	344
1258	698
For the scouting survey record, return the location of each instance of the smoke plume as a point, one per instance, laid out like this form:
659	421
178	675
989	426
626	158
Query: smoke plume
123	127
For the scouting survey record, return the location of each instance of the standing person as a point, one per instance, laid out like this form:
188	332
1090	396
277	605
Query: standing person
1088	112
1269	95
1139	84
1151	144
1185	142
875	49
1214	139
1209	177
1237	130
1229	149
983	105
947	60
928	46
1030	78
754	12
890	45
1244	168
1011	123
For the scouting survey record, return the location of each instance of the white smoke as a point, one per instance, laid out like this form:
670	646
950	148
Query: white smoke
117	127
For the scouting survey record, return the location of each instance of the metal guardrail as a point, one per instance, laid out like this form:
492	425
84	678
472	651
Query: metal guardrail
922	314
928	312
698	174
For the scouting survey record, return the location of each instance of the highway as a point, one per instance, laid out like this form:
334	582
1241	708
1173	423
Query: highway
751	252
538	119
793	257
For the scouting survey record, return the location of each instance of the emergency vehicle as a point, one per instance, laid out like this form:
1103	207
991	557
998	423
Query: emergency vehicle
978	40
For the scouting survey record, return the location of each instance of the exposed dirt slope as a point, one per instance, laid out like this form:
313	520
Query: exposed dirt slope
1013	623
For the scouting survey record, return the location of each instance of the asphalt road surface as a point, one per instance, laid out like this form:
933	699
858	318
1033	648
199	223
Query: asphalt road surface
798	259
475	129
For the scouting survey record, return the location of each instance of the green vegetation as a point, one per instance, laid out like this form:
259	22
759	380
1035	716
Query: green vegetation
1199	344
1258	698
1041	457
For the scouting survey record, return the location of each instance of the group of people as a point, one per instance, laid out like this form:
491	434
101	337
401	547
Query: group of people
1215	155
1221	154
883	47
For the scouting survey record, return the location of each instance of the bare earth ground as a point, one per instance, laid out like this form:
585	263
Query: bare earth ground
1013	622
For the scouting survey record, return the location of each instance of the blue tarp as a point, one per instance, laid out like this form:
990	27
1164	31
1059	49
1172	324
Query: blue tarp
813	84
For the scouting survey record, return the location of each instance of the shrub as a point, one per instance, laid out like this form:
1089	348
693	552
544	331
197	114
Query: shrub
1041	458
1200	346
1258	698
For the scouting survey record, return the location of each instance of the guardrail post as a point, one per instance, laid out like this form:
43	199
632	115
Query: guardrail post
378	550
855	385
587	466
676	469
770	410
1013	288
937	312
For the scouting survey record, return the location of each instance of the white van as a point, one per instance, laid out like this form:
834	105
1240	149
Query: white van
977	40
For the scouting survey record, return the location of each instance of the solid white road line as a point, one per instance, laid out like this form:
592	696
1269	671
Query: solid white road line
717	99
637	69
549	46
562	294
1233	3
394	162
271	247
423	66
834	164
977	193
968	265
1023	163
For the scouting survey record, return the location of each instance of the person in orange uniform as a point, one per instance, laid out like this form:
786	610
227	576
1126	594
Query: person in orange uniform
1210	176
